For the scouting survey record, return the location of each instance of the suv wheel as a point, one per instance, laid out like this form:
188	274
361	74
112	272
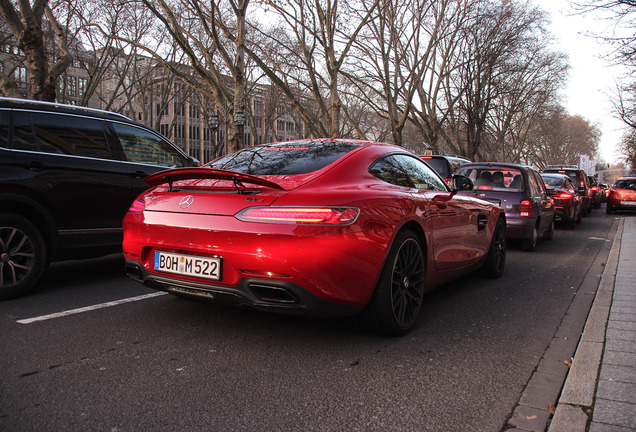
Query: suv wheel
22	256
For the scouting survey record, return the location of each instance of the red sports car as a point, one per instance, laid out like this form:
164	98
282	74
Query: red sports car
622	196
315	227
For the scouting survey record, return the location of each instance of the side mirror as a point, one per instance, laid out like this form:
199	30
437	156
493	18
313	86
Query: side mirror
461	183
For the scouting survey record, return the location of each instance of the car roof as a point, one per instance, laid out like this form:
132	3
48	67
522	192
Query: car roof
496	165
15	103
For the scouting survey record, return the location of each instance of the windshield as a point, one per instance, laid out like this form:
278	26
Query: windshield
297	157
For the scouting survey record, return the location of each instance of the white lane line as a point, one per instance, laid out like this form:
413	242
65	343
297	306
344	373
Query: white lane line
89	308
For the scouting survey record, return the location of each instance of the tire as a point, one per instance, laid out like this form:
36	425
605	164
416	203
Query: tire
22	256
549	234
608	210
529	244
396	303
495	263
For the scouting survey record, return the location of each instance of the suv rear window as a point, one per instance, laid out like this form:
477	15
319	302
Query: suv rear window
284	158
575	175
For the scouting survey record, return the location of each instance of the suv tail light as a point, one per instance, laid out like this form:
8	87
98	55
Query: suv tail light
525	208
137	206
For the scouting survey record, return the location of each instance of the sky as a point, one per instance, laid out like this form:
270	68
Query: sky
592	81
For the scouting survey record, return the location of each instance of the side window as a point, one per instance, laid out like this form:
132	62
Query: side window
421	176
70	135
407	171
142	146
23	136
535	189
4	128
389	170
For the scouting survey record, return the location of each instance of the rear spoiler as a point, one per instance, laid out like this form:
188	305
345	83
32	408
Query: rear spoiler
201	173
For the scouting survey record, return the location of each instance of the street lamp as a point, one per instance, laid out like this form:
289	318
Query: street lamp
214	122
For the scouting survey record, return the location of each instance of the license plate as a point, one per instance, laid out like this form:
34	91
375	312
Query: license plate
188	265
629	203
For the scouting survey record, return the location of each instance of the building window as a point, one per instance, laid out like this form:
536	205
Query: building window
21	74
71	85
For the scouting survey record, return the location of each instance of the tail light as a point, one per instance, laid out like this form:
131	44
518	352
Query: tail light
594	188
525	208
300	215
137	206
564	196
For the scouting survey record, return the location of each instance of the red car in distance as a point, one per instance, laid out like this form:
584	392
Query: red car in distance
313	227
622	196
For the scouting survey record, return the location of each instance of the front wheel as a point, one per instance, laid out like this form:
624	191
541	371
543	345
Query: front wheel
494	265
397	300
22	256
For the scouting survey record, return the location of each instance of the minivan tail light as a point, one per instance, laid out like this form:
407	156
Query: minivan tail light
300	215
525	208
137	206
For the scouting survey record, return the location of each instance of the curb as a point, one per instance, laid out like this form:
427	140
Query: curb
574	410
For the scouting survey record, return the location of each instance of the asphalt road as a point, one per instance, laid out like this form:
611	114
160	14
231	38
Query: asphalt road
166	364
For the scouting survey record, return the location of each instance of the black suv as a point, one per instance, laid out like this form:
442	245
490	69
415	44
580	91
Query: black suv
445	165
580	180
67	177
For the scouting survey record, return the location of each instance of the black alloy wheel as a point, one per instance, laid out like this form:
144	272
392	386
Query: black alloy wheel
22	256
396	304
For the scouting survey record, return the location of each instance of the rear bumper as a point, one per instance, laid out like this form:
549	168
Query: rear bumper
259	293
519	227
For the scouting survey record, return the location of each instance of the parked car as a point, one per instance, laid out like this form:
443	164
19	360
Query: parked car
67	178
445	165
521	192
315	227
567	201
622	196
580	180
597	193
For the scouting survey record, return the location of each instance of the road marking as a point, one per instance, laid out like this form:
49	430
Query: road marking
89	308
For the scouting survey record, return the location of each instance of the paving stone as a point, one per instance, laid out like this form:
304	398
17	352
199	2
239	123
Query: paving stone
529	419
616	391
615	413
539	397
568	419
618	373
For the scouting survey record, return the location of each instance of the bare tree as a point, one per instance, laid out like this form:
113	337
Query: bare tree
27	24
560	138
318	40
497	33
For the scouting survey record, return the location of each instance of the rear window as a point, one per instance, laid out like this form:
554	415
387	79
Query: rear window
626	184
284	158
552	180
438	164
494	178
574	175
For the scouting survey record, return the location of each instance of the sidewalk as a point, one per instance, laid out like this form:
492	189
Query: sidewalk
599	394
